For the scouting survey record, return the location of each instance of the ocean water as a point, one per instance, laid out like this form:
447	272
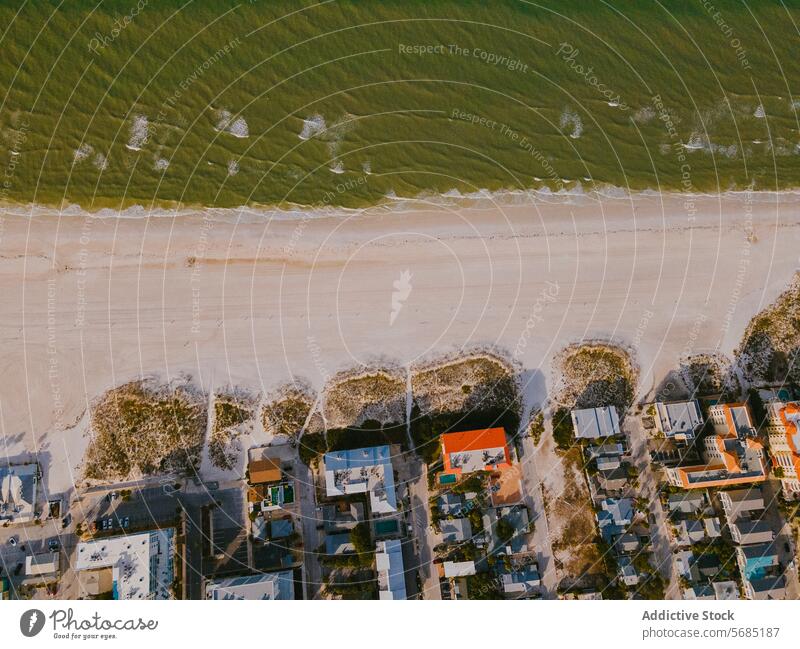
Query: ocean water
222	103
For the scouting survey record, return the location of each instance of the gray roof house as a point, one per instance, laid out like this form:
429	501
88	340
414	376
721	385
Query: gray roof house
455	530
740	501
746	531
686	503
595	423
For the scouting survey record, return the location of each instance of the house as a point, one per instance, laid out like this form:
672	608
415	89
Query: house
762	574
521	581
745	531
18	492
708	565
783	429
336	544
611	481
761	571
712	527
270	497
363	470
679	420
474	450
627	573
391	574
267	586
614	517
595	423
450	504
342	516
737	502
733	455
264	471
693	529
280	528
517	518
720	590
140	565
454	569
455	530
44	566
686	503
773	587
627	543
684	560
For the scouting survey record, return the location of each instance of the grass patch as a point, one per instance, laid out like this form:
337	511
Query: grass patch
146	428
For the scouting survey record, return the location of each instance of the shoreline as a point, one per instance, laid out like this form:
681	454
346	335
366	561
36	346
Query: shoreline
91	303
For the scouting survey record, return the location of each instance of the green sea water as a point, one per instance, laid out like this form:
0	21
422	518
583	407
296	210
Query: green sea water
225	103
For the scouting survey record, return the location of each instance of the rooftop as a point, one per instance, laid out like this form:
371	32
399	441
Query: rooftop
391	574
271	585
18	485
679	418
595	423
475	450
264	470
142	564
363	470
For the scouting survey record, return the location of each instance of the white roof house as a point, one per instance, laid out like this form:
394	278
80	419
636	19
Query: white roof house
41	565
268	586
458	568
363	470
391	574
595	423
141	564
18	485
679	419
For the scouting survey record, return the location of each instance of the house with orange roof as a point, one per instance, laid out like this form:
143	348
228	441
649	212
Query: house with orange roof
472	451
733	454
783	429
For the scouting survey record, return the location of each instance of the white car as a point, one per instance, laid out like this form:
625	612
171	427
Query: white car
12	541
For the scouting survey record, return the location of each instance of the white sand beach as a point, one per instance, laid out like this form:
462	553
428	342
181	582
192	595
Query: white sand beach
89	303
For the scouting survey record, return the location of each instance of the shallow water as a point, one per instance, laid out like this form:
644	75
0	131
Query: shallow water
350	103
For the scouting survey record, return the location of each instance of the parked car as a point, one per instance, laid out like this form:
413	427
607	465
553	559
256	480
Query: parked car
126	522
12	541
53	544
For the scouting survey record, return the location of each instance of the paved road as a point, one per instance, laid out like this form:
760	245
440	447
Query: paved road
425	537
532	493
310	518
648	488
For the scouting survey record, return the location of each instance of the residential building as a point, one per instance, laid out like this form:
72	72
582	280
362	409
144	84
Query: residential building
784	444
614	517
521	581
391	573
363	470
738	502
733	455
338	544
595	423
686	503
140	566
267	586
44	566
342	516
745	531
455	530
270	497
627	572
720	590
454	569
18	492
264	471
762	574
474	450
679	420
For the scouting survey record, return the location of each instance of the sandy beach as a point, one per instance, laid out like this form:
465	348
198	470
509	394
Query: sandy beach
88	303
